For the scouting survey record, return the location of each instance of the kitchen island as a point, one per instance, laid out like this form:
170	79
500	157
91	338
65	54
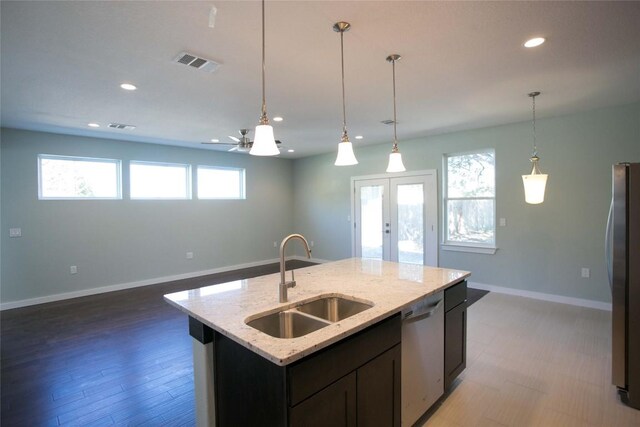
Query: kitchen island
218	317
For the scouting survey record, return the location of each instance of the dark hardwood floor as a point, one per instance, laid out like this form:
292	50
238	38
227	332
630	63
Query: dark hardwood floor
119	358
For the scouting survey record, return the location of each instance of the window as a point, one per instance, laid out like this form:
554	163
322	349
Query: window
66	177
469	200
220	183
159	180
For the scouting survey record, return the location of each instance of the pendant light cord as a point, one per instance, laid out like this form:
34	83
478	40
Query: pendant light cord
263	117
535	145
395	136
344	109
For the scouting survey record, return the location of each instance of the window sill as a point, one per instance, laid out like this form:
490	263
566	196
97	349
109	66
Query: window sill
468	248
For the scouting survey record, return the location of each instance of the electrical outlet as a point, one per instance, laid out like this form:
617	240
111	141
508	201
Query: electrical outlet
311	243
585	272
15	232
349	218
275	244
189	255
73	269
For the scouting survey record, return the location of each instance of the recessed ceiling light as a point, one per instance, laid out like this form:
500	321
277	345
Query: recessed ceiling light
93	125
215	140
359	136
128	86
537	41
290	150
278	119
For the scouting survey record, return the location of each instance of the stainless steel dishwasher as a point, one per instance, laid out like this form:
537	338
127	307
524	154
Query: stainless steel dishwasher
422	357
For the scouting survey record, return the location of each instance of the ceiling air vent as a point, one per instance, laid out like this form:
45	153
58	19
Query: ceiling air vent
387	122
121	126
194	61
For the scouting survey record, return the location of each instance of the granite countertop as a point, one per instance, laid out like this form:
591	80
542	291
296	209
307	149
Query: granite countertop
389	286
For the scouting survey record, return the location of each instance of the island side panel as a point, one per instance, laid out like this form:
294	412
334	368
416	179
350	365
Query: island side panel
250	390
203	375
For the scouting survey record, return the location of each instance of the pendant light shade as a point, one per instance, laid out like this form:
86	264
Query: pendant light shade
264	143
346	157
534	186
535	183
395	158
345	154
395	163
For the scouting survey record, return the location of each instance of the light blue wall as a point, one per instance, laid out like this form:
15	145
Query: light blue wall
543	247
122	241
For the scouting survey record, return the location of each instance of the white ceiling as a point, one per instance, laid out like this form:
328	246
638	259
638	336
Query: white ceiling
463	66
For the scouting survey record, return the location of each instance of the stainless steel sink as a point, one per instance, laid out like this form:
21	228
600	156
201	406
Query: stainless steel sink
287	324
333	309
300	320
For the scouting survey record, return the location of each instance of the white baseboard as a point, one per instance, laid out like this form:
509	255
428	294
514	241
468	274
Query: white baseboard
121	286
542	296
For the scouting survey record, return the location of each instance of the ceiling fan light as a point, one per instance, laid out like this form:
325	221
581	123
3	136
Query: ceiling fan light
345	155
264	143
395	162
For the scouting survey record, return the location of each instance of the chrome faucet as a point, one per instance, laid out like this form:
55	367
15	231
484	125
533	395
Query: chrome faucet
284	285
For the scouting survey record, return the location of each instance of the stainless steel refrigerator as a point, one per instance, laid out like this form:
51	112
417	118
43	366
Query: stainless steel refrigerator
623	262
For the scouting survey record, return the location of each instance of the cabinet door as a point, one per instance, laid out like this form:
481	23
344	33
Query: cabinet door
333	406
455	343
379	390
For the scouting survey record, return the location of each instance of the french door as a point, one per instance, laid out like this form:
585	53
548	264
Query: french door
395	217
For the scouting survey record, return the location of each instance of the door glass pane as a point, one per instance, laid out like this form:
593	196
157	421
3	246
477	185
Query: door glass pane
411	223
371	221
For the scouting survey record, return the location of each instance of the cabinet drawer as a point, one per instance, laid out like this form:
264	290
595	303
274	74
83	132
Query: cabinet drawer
319	370
455	295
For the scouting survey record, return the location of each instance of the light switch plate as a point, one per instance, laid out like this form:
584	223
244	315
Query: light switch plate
189	255
73	269
503	222
586	272
15	232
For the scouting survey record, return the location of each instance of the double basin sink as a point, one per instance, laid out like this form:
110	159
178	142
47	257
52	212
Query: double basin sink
300	320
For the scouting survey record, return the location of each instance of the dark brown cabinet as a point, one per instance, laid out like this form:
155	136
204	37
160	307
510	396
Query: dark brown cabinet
379	390
455	332
367	397
354	382
334	406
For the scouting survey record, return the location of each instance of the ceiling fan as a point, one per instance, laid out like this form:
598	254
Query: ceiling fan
242	144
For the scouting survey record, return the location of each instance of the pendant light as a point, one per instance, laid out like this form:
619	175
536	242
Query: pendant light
395	158
345	148
535	183
264	143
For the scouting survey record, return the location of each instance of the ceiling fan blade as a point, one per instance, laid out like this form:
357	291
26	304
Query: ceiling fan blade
234	138
233	149
218	143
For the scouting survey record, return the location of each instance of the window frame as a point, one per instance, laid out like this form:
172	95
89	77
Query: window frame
118	183
243	182
458	246
188	183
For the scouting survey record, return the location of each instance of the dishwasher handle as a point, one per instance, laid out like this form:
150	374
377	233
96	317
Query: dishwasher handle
420	315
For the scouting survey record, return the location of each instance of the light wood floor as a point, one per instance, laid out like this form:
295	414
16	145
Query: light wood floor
535	363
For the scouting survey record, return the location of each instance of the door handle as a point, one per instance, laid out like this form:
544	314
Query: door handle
416	317
607	245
